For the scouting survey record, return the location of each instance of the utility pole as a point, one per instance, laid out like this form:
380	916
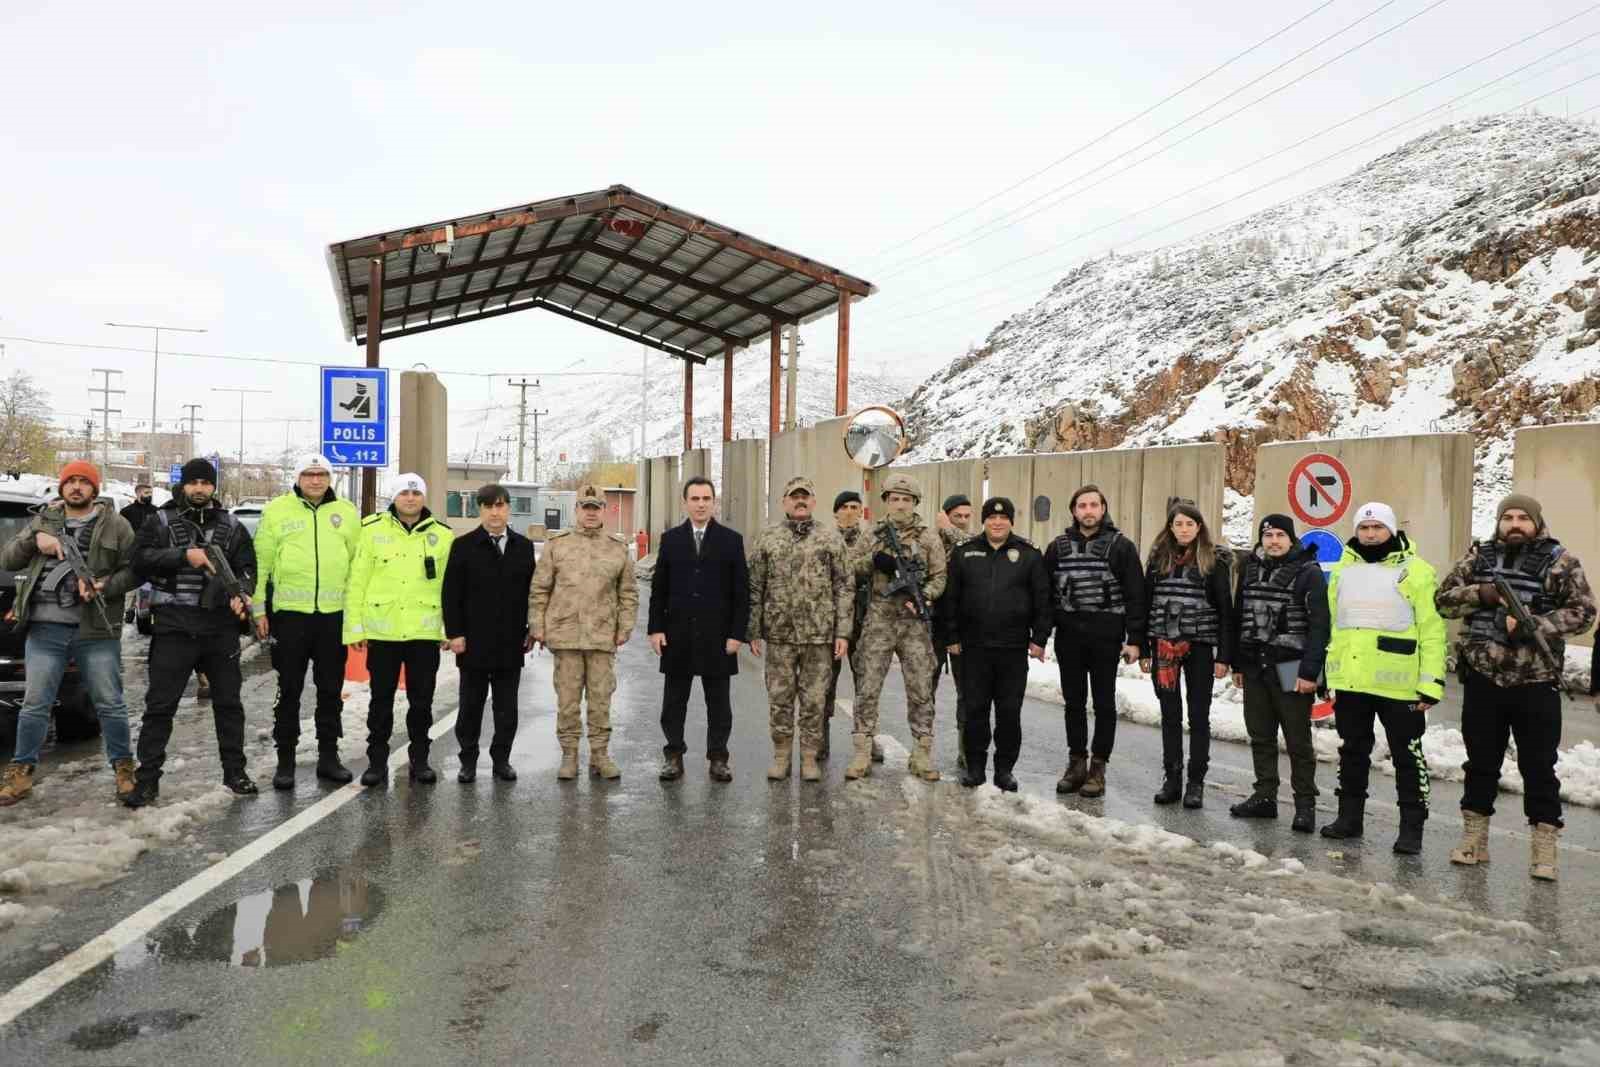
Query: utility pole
106	411
155	371
644	399
792	384
242	393
191	409
522	423
535	415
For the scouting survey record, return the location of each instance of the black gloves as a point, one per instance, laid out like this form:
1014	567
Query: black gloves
884	561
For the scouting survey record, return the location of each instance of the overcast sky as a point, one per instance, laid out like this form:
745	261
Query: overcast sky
188	164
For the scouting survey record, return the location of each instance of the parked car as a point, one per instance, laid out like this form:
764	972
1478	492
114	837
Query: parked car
74	717
249	514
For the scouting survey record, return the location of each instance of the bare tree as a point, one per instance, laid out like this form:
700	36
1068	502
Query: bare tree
24	426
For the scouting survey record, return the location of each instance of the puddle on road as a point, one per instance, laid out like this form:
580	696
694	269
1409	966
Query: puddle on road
295	923
109	1033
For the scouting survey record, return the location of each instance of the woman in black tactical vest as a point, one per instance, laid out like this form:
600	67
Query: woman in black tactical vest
1188	592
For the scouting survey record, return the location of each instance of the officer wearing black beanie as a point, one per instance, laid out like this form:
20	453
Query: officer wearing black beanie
196	624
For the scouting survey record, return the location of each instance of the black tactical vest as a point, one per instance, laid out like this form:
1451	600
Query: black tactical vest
187	588
1269	612
1083	579
1527	577
1180	609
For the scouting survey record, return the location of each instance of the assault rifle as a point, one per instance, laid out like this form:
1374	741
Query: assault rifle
228	582
908	576
1527	624
73	555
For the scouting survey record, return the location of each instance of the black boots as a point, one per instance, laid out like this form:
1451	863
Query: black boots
283	777
143	793
1004	780
377	773
329	769
1305	816
239	783
421	772
1348	823
1195	795
1255	806
1171	785
1409	842
1076	774
973	772
504	772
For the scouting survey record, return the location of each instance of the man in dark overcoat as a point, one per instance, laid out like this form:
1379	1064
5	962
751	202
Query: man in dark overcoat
699	616
485	607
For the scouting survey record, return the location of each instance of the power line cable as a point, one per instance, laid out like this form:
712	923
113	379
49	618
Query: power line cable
1118	128
1289	148
960	240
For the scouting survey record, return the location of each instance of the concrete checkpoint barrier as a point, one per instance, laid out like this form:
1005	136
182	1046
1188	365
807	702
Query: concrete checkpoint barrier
1560	467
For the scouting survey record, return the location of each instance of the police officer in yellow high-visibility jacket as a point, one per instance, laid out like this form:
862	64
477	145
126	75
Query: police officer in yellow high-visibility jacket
392	611
1386	663
304	544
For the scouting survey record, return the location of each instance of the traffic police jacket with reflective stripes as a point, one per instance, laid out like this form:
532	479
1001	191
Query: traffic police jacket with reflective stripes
397	580
1185	605
1388	637
304	550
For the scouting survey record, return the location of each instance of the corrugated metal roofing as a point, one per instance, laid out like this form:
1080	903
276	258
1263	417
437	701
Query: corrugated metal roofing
613	259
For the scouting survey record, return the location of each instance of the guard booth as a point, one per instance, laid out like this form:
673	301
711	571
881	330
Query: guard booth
612	259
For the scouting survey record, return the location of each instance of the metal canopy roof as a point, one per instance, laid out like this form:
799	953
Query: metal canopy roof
612	259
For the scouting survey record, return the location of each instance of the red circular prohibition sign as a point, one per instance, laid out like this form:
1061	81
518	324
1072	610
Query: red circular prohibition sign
1319	489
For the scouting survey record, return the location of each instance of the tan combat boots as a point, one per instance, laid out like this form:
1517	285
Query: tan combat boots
1474	847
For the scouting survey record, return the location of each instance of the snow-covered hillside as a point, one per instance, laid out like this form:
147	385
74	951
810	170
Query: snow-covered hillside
1448	285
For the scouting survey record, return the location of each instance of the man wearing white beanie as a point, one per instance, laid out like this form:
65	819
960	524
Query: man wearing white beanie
304	545
393	612
1385	664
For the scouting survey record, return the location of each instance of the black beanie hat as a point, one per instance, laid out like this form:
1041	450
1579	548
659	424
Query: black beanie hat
955	500
846	497
198	470
999	505
1276	521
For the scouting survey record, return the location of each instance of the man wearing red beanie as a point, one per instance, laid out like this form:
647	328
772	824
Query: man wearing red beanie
66	619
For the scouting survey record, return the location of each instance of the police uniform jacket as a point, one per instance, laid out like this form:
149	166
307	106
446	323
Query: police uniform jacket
995	597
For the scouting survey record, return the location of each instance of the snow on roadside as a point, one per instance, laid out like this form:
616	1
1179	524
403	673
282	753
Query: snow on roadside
1443	746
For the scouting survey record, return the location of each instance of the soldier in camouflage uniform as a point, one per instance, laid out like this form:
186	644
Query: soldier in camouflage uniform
1510	689
847	516
893	627
801	594
582	607
953	521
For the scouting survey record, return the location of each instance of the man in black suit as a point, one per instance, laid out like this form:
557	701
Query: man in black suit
699	616
485	605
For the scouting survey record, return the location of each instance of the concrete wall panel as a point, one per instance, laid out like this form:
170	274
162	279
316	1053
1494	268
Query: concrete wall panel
695	462
1560	466
1194	472
1426	478
424	433
744	486
961	476
1012	476
664	508
818	453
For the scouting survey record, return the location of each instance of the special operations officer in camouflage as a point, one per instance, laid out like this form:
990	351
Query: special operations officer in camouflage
582	608
1510	689
953	522
847	517
801	607
894	626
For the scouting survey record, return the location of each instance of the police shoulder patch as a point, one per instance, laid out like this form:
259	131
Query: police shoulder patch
336	520
1013	554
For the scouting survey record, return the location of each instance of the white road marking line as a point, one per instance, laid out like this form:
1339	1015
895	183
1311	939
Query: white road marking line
32	991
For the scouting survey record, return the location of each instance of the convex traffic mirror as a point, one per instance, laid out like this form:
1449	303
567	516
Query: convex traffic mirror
874	437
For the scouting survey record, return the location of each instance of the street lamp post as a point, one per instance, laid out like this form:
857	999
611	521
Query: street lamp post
242	393
155	374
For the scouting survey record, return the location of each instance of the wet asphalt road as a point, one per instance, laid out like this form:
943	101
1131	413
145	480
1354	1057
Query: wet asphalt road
618	922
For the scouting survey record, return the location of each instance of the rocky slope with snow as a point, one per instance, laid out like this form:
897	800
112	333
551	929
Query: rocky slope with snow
1448	285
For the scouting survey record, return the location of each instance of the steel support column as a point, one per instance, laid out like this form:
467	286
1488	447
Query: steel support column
369	475
727	393
688	404
772	382
841	385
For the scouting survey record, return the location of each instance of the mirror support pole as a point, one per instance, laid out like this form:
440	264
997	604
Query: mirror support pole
841	386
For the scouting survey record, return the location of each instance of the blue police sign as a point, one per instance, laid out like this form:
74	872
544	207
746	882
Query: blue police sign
175	473
355	416
1327	547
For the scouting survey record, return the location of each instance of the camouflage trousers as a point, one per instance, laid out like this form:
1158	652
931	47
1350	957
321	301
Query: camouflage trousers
833	682
578	672
883	637
797	688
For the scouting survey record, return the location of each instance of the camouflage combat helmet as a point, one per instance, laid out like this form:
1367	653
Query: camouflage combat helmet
901	483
